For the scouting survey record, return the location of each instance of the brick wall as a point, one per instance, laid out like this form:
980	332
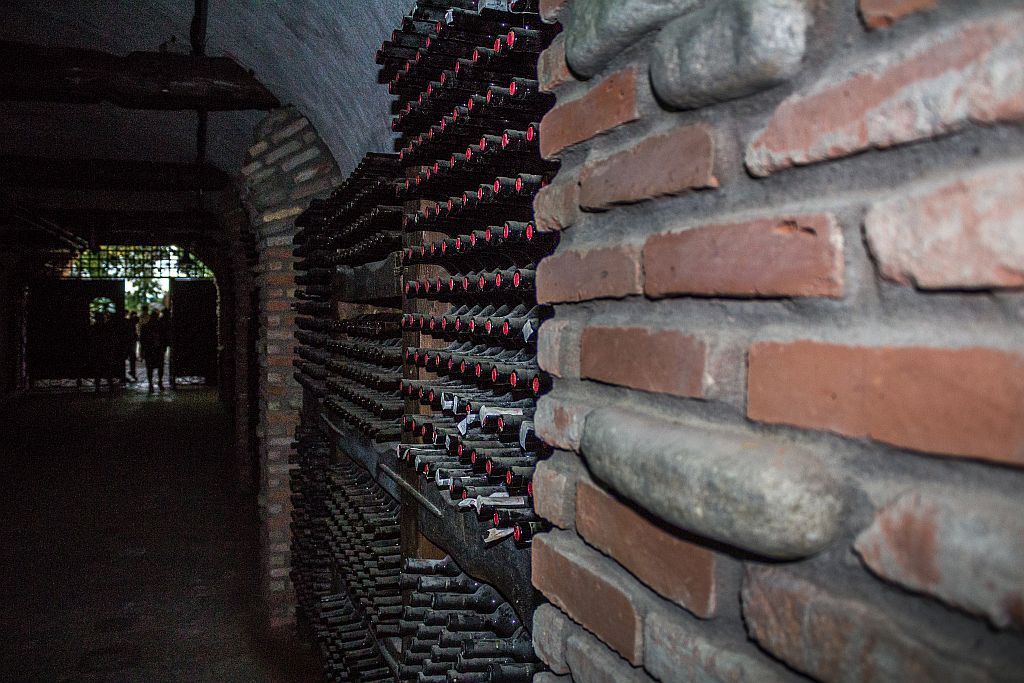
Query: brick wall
788	341
286	167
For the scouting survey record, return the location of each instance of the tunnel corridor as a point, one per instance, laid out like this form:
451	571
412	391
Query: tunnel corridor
128	553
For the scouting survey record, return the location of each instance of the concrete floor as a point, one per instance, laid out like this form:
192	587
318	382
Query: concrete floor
127	553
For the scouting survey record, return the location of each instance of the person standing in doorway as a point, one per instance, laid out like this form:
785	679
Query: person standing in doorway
151	341
132	323
165	338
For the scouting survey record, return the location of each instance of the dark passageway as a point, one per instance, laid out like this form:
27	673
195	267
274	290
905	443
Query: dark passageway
128	554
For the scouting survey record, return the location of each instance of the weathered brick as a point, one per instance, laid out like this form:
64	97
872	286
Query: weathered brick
551	629
556	206
785	256
558	347
728	49
674	162
554	488
658	555
600	29
883	13
280	214
560	421
591	589
251	168
281	152
839	639
597	273
552	69
766	496
966	552
313	187
289	130
258	149
302	157
664	361
961	401
592	662
677	650
964	233
610	103
936	85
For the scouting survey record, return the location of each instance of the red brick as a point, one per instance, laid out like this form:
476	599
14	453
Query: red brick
558	348
786	256
550	9
599	273
554	488
960	234
664	361
592	590
934	86
966	401
832	638
560	421
963	550
277	305
277	278
665	164
556	206
552	69
883	13
681	571
610	103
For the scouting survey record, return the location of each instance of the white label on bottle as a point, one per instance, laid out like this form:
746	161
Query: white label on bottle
527	331
449	16
463	426
494	535
448	401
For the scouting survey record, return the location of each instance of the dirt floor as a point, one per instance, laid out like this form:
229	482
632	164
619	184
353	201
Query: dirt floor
127	552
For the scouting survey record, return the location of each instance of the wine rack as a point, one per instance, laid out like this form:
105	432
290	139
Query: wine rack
417	336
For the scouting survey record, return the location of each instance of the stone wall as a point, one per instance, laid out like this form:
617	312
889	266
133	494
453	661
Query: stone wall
788	341
287	166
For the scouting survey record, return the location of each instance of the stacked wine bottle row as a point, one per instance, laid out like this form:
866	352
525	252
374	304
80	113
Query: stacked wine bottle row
468	110
353	364
460	630
345	562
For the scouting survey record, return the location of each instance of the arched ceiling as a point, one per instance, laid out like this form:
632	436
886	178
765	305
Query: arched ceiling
315	54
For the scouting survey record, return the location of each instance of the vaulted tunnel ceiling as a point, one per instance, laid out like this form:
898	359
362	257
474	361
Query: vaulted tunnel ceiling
315	54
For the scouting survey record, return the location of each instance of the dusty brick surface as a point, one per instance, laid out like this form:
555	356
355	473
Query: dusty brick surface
785	256
966	553
609	104
664	164
591	589
939	84
678	569
883	13
552	69
558	348
598	273
554	488
560	421
556	206
551	629
967	401
964	233
665	361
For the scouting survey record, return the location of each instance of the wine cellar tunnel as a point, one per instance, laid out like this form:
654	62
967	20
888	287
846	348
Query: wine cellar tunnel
553	340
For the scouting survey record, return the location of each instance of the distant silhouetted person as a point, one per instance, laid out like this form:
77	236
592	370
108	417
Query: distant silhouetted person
151	338
165	338
104	352
132	323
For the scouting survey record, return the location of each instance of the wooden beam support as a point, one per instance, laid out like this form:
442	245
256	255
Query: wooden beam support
141	80
109	174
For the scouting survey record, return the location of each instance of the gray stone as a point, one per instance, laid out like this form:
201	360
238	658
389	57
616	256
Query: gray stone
601	29
676	650
728	50
966	551
551	628
589	660
768	497
271	197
